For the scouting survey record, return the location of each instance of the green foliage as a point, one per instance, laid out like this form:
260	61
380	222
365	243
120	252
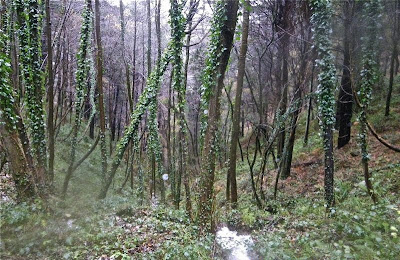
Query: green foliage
29	22
369	73
320	20
177	22
214	52
322	12
147	101
83	67
7	112
83	62
357	231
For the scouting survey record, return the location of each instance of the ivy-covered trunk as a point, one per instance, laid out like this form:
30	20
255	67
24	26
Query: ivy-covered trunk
177	34
322	12
222	32
21	169
144	103
29	21
80	86
238	102
369	77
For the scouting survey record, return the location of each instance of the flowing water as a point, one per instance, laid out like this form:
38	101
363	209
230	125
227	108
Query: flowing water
234	246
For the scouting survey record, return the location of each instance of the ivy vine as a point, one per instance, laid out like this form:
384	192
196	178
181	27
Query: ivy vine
214	52
369	72
322	13
7	112
177	22
326	77
84	65
29	22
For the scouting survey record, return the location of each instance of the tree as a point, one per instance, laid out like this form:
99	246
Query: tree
345	99
99	83
223	29
21	170
237	105
395	37
322	12
146	98
300	78
50	82
29	35
147	101
81	85
369	77
283	27
127	73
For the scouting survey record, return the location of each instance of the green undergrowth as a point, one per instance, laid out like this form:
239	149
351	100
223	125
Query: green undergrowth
295	226
300	227
82	227
357	229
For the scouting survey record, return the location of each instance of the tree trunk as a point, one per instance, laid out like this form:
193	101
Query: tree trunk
345	99
134	60
19	169
305	31
81	85
28	21
206	198
127	72
396	31
283	26
115	114
309	109
326	89
148	38
238	102
99	83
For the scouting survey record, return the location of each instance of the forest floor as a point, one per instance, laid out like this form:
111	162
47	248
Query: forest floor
82	227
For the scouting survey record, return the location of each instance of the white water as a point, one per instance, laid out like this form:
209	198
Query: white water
236	244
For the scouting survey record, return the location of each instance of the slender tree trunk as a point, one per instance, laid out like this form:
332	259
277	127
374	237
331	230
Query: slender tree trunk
205	210
284	9
50	118
238	102
128	83
305	31
99	83
115	114
186	179
396	32
158	32
169	148
81	85
369	72
320	22
309	109
148	37
144	101
134	59
345	99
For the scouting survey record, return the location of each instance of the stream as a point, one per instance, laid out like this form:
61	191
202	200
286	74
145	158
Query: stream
234	246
